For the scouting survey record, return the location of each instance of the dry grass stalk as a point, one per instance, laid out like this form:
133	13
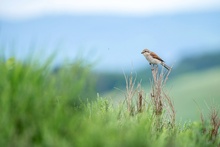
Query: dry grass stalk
156	92
201	118
130	92
159	97
140	103
204	130
215	122
170	109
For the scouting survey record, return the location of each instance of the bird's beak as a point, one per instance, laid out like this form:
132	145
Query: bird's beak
142	52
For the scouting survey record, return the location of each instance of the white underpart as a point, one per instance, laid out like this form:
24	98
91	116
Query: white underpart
150	59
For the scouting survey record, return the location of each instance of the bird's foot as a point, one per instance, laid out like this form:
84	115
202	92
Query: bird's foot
152	66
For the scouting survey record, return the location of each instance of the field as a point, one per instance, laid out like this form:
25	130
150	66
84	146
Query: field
44	107
190	91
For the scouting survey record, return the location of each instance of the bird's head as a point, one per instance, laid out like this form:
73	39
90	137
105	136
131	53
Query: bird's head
145	51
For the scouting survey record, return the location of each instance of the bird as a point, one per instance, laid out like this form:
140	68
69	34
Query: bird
154	59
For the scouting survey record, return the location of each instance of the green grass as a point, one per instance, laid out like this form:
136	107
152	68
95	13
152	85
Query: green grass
193	89
190	92
39	107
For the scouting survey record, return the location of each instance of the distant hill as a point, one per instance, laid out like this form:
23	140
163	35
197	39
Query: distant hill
107	81
202	62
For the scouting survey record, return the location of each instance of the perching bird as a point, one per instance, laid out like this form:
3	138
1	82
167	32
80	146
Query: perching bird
153	58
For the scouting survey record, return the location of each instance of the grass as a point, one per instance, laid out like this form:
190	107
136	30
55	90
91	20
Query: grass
187	91
202	87
41	107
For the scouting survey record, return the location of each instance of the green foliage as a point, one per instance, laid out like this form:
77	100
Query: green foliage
187	91
103	124
192	89
37	104
41	107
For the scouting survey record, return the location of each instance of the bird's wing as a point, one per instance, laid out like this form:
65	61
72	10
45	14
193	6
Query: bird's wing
155	56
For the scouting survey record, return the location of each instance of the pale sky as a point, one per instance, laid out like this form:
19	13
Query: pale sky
30	8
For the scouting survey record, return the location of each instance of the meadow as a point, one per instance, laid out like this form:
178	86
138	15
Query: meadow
194	93
40	106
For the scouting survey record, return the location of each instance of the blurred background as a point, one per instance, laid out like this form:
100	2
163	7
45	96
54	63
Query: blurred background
111	35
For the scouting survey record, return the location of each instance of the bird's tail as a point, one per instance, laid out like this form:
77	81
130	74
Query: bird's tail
166	66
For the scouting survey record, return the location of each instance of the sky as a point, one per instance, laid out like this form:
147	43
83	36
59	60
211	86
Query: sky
174	28
14	9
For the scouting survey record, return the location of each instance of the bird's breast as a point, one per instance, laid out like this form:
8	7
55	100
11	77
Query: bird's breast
152	60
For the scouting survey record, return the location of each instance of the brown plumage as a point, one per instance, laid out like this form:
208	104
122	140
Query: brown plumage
154	58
